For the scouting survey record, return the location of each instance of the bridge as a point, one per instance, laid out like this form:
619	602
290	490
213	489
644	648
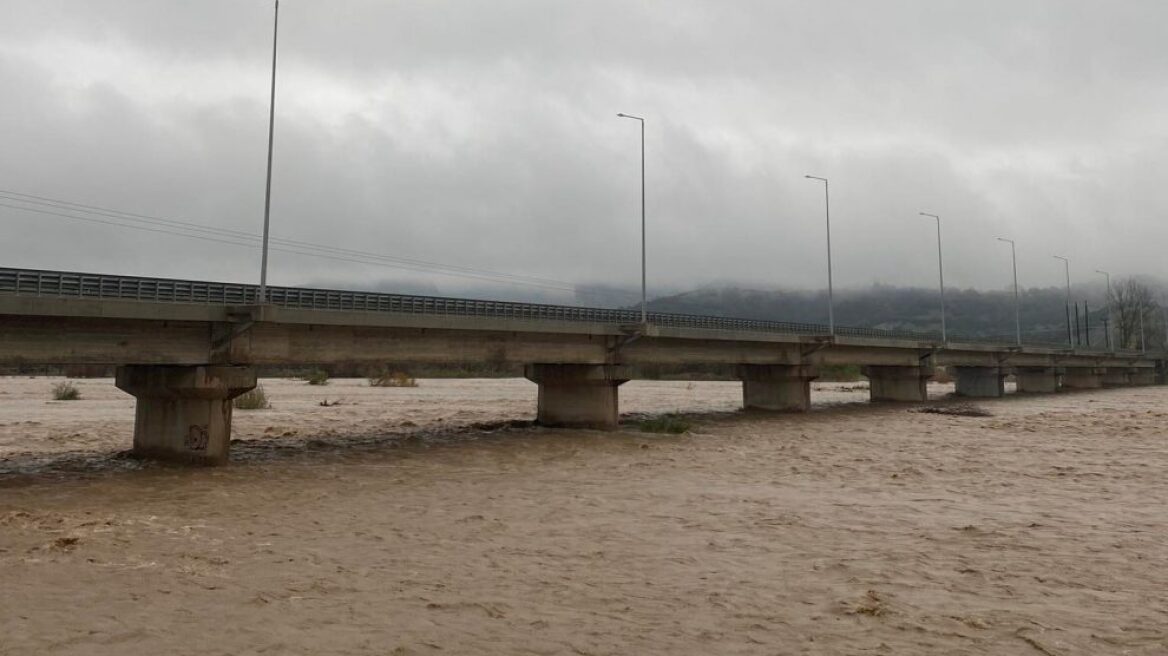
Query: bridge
186	348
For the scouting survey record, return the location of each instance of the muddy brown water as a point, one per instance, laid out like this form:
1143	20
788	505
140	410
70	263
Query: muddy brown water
438	520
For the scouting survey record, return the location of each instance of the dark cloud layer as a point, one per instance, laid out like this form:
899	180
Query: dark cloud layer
485	135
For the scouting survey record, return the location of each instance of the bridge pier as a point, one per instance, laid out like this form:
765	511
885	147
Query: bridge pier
1037	380
1142	377
980	382
898	383
1116	377
183	413
779	388
1081	378
578	395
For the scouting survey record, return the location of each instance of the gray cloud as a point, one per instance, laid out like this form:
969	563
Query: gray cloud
485	135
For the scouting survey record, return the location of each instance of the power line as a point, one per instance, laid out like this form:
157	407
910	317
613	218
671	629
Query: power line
184	225
117	218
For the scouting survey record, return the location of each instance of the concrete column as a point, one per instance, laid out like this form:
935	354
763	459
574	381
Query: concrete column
980	382
781	388
1080	378
1116	377
888	383
1142	376
1037	380
184	412
578	395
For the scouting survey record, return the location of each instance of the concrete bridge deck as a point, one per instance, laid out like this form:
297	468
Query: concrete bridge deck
185	348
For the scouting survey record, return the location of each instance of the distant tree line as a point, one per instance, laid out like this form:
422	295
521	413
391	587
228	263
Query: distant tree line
969	312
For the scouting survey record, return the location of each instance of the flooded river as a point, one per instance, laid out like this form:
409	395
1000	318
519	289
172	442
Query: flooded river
438	519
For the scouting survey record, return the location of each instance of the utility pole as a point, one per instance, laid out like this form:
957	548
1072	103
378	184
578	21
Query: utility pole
1017	300
941	275
644	286
271	135
830	291
1067	262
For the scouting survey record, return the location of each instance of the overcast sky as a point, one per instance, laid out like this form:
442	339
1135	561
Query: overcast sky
485	135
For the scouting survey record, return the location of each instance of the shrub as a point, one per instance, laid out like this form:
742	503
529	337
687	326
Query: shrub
66	391
673	424
256	399
317	377
386	378
839	373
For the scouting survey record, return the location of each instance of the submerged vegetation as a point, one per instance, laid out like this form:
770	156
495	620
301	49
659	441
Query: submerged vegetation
256	399
386	378
66	391
672	424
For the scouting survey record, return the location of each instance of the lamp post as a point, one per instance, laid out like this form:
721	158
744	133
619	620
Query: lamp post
644	292
1067	263
1110	316
1017	298
827	216
941	274
271	134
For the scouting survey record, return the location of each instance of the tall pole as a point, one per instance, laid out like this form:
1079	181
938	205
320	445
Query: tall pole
1110	317
1017	298
830	290
1067	263
644	285
941	275
271	135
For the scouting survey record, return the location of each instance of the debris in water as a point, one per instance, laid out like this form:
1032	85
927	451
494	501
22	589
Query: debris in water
959	410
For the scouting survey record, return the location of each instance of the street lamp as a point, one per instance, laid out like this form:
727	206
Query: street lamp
1067	263
941	273
644	292
827	215
1017	298
271	134
1110	315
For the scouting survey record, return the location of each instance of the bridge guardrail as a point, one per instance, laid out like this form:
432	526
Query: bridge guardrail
168	290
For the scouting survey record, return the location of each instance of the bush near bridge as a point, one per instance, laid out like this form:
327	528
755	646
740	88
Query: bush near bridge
66	391
672	424
387	378
256	399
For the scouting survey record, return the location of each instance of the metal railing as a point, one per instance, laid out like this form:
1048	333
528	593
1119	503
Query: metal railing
166	290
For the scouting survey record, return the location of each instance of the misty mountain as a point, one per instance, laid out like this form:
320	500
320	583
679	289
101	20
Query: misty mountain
968	311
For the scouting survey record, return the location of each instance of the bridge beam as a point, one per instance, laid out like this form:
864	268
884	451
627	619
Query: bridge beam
578	395
980	382
184	412
1037	380
1081	378
898	383
779	388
